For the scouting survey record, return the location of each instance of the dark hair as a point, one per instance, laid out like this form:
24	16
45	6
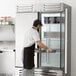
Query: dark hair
37	22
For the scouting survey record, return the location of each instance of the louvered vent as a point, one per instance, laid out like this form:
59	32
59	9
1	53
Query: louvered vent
23	9
52	7
20	73
40	8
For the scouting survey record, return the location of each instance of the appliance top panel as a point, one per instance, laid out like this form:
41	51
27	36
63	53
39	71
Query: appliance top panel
41	8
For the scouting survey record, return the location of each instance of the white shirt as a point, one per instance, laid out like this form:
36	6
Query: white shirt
31	37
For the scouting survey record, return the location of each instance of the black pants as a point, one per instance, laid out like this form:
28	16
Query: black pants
28	57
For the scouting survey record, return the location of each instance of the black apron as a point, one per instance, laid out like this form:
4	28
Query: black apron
28	57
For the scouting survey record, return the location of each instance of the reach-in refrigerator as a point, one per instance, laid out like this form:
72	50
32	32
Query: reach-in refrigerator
55	33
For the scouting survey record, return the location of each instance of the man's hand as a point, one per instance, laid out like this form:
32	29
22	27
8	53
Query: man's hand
49	50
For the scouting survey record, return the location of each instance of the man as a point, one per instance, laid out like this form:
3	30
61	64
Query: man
31	38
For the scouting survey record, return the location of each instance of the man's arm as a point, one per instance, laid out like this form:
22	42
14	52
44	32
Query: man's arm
41	45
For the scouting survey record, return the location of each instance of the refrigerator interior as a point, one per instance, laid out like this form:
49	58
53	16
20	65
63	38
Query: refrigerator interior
52	34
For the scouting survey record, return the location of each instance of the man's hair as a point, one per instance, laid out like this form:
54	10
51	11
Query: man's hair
37	22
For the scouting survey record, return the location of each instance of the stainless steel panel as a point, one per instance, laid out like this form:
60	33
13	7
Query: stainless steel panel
46	71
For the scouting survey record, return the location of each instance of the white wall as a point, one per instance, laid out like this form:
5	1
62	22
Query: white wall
73	4
8	8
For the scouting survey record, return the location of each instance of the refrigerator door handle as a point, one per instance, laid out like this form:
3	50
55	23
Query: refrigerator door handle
66	11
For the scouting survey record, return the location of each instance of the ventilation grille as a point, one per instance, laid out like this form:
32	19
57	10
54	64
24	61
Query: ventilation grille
6	74
52	7
40	8
23	9
20	73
